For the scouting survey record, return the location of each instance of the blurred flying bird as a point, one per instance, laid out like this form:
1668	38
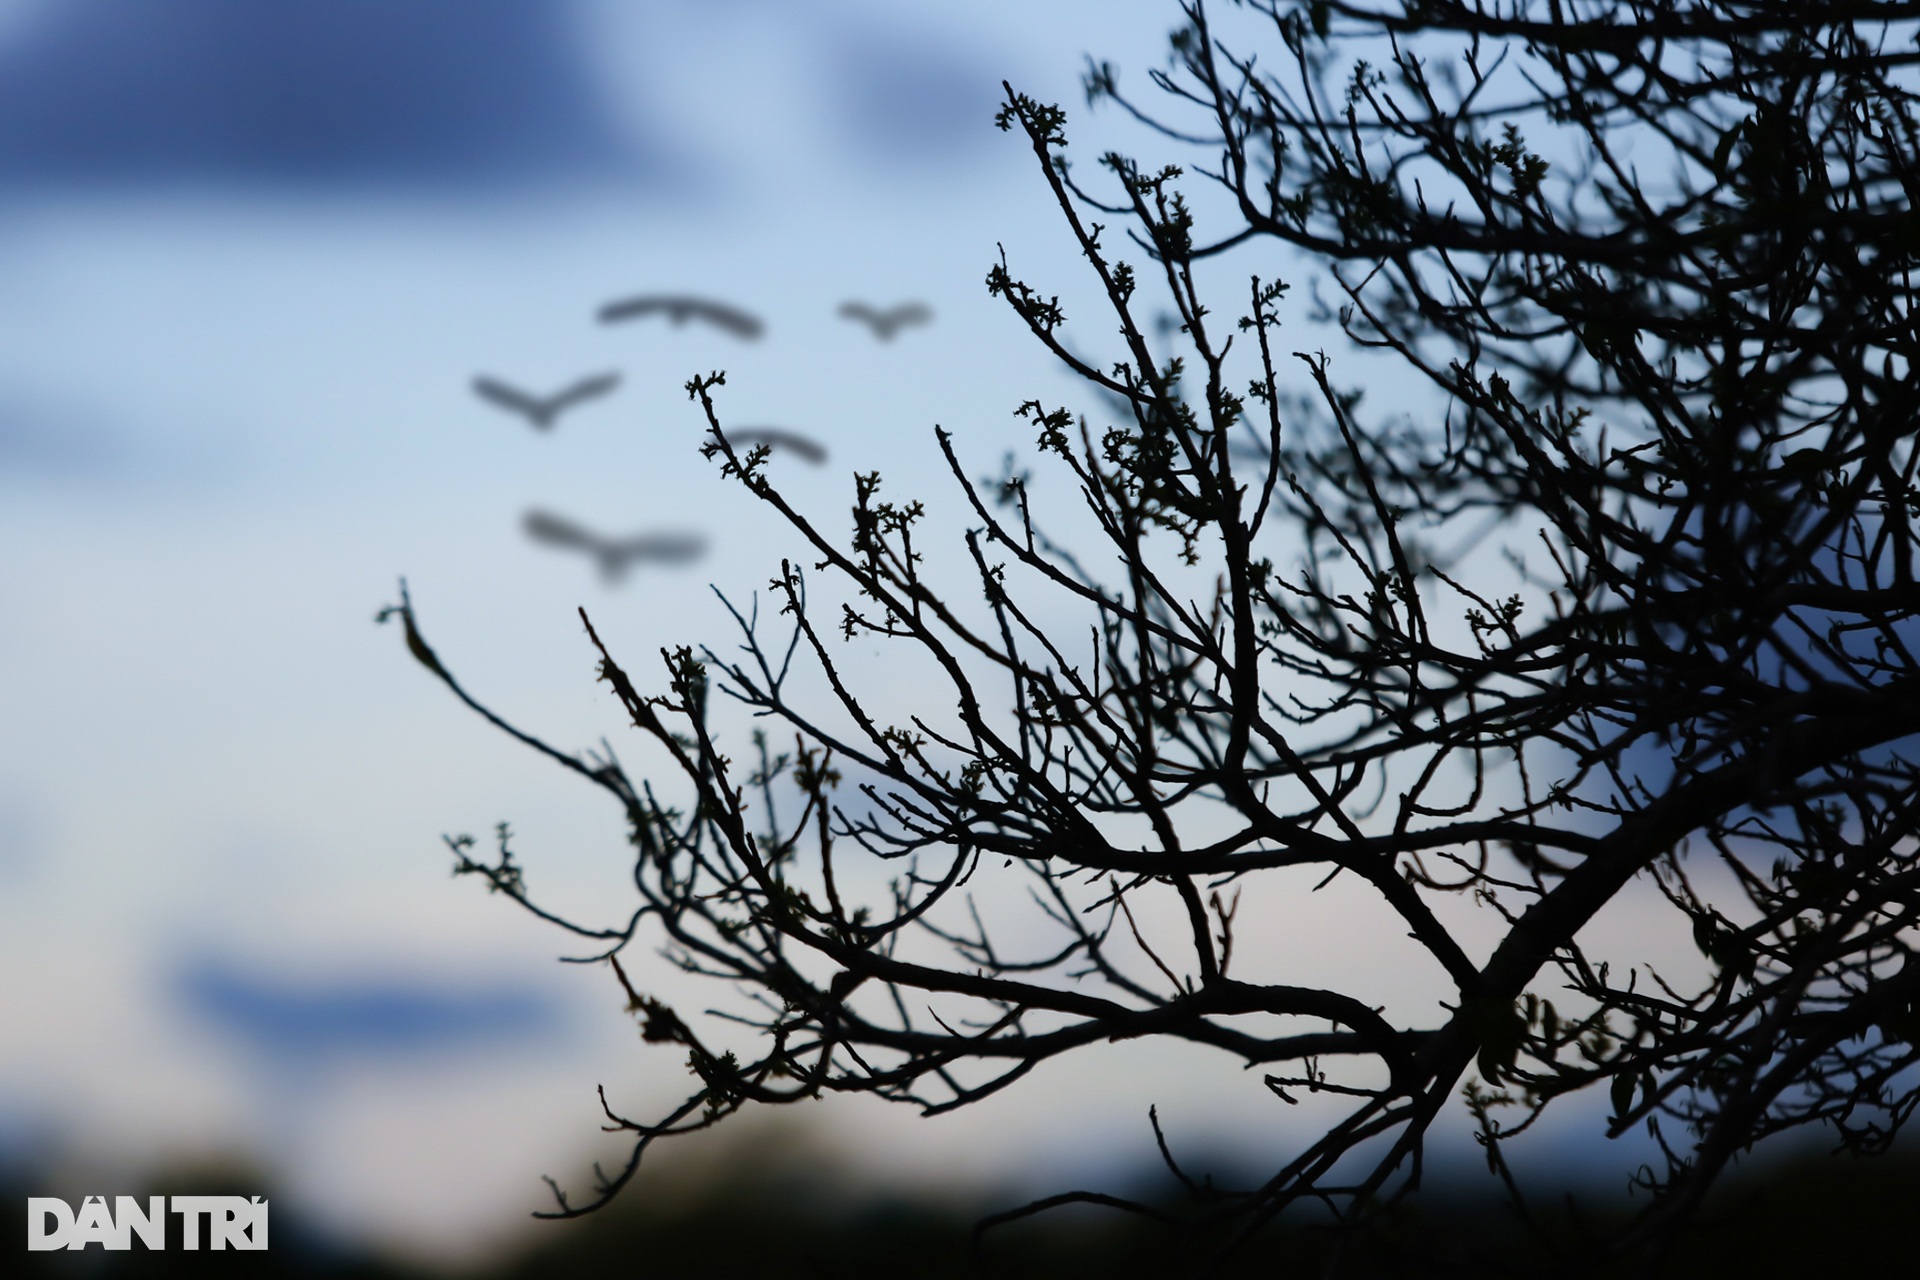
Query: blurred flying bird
778	438
542	411
889	322
614	554
680	308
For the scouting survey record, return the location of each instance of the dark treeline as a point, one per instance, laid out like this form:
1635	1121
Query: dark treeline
762	1211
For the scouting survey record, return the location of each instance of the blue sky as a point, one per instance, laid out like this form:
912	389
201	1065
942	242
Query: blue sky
251	257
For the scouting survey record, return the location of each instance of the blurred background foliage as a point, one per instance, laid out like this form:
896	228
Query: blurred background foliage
776	1203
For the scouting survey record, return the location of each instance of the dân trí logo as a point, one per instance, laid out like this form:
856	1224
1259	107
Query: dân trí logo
231	1222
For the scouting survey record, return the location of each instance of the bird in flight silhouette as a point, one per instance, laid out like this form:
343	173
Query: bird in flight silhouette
778	438
542	411
680	308
614	554
889	322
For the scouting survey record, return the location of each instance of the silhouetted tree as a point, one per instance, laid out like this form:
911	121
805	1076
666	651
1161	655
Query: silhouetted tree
1652	263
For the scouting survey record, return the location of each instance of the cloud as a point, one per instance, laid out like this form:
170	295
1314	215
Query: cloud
40	442
364	1018
903	94
409	93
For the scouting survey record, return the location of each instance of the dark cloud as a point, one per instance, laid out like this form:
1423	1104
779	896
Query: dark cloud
359	1017
907	95
301	92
